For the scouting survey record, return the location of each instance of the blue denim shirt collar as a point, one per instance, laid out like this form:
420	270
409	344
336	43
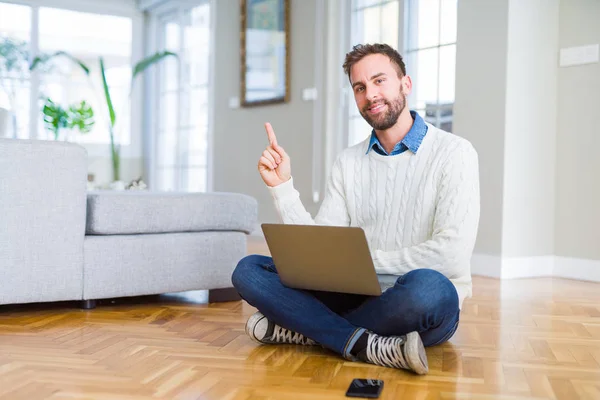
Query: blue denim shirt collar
411	141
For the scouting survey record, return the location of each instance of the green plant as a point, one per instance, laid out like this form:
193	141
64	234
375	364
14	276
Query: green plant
140	67
81	116
55	117
77	116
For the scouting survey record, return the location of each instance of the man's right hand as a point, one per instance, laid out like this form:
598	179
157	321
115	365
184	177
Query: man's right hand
274	165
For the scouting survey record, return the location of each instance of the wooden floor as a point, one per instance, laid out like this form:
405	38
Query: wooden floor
521	339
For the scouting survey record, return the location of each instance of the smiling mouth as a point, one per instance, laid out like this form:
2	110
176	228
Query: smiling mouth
376	108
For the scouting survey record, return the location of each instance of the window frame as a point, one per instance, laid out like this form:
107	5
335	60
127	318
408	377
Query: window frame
438	108
157	12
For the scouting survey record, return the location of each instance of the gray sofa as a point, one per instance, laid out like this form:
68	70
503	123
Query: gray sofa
60	242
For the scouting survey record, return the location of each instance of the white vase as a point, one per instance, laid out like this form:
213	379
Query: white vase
117	185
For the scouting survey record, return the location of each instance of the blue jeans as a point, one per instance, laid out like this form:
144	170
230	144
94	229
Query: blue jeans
422	300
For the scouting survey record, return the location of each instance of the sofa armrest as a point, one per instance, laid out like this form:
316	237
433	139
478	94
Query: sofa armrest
43	203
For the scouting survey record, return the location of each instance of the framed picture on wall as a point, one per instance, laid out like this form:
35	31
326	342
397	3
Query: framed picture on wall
265	52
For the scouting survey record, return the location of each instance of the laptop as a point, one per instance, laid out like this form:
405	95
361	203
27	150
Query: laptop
325	258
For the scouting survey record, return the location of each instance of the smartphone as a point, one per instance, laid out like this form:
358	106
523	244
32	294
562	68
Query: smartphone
369	388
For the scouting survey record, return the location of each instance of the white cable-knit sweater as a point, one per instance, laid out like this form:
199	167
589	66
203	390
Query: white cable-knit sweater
417	210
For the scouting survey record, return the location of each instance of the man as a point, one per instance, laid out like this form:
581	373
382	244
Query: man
414	189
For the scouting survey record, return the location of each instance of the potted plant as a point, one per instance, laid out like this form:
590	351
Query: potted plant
139	67
76	116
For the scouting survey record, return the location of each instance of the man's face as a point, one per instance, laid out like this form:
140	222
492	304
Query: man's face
379	93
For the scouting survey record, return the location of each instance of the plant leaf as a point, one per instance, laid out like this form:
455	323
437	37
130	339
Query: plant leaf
81	116
111	110
55	117
43	59
150	60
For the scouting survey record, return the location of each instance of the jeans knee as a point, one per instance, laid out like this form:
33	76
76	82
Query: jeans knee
434	291
245	271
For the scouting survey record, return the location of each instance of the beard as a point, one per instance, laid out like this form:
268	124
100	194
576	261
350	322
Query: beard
387	119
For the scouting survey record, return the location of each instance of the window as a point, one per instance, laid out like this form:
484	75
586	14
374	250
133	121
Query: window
428	49
85	36
183	108
431	58
27	31
15	39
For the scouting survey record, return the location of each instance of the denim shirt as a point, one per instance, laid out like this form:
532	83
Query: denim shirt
411	141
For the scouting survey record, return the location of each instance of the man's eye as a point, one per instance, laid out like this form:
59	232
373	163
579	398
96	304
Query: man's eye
380	80
359	89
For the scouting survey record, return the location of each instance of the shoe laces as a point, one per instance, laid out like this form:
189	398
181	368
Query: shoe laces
386	351
282	335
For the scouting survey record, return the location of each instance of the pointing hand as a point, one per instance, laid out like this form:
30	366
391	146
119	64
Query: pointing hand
274	165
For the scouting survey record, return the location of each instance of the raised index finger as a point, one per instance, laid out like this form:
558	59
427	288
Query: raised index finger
271	134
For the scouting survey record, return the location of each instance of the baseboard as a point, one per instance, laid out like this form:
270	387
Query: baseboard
535	267
577	268
527	267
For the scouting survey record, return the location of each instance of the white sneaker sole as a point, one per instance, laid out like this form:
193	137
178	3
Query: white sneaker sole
251	324
415	354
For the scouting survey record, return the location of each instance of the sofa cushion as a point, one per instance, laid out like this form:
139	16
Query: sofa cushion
135	212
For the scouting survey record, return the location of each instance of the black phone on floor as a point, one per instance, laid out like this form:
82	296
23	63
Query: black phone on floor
369	388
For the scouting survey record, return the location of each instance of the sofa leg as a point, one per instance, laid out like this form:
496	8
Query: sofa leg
221	295
88	304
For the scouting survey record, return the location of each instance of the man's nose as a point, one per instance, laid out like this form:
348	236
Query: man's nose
372	93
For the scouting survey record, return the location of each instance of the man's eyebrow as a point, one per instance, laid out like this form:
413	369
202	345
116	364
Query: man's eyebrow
371	78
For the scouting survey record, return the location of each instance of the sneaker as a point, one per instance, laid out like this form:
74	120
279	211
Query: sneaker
261	330
406	352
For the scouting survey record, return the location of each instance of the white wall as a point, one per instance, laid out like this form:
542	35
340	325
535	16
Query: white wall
479	110
505	101
578	142
239	135
537	148
530	128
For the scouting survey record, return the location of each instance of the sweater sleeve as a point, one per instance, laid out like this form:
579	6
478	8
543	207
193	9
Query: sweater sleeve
455	223
333	210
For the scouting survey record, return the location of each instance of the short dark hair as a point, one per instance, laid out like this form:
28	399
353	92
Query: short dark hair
360	51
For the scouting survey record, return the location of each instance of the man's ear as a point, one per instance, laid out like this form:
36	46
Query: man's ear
406	85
